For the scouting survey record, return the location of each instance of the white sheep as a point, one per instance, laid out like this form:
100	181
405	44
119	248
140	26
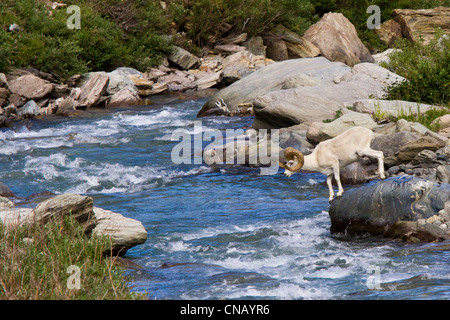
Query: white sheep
331	155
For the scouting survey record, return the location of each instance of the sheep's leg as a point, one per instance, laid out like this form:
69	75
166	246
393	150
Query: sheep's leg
330	187
337	177
379	156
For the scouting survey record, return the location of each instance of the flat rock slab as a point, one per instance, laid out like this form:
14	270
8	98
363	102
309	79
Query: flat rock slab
56	208
274	77
93	89
30	87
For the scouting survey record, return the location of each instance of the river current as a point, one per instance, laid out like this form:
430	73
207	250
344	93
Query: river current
223	232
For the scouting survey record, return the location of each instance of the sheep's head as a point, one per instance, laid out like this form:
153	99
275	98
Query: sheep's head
294	160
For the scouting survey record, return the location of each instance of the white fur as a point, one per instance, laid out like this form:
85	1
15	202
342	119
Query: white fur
331	155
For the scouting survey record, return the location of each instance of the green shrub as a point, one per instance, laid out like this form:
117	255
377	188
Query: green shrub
426	68
202	20
46	43
35	262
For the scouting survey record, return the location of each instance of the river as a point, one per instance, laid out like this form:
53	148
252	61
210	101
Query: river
224	232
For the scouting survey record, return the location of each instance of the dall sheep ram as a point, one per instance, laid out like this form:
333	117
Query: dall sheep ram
331	155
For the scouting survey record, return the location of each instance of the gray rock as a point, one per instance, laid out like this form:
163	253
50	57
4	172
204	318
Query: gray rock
391	208
256	46
443	173
384	56
228	48
56	208
183	58
124	233
124	97
30	109
119	80
391	144
345	122
130	71
273	77
5	191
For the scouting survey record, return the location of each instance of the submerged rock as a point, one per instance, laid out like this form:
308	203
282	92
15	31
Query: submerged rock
397	207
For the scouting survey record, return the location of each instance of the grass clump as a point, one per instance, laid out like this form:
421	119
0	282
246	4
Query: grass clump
41	261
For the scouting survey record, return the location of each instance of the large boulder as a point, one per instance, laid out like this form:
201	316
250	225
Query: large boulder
422	23
124	233
337	39
284	108
31	87
276	76
398	207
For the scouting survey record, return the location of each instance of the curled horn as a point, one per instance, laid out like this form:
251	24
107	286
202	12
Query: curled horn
291	154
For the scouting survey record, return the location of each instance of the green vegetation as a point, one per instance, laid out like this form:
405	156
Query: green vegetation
46	43
425	118
134	32
427	69
35	262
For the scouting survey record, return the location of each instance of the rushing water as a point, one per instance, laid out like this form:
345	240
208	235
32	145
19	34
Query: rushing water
213	233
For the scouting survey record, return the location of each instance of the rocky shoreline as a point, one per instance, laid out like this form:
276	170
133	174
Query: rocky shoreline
124	233
285	84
